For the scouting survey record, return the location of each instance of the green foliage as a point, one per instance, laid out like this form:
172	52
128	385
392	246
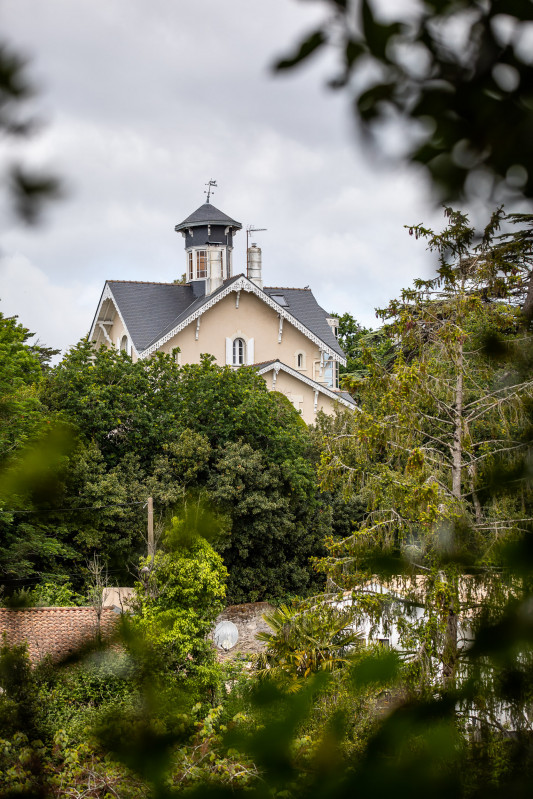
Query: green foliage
453	77
305	640
33	453
151	428
428	558
18	696
181	593
363	347
274	530
57	595
21	413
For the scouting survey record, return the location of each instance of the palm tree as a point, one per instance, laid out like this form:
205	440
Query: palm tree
305	640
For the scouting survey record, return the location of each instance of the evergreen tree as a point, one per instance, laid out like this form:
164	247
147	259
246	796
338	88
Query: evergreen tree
429	435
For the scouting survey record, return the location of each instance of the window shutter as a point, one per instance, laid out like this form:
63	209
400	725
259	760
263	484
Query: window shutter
118	343
128	348
229	351
250	352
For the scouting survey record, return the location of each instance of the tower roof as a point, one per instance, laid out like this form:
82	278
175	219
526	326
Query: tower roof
207	214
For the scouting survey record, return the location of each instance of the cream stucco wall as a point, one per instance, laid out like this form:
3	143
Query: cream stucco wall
300	394
244	316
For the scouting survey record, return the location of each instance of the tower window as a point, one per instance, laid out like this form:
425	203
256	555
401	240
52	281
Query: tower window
238	352
201	263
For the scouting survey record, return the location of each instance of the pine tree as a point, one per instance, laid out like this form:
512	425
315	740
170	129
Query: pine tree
429	436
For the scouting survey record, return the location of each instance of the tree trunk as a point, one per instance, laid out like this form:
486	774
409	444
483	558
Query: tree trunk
457	446
527	307
449	654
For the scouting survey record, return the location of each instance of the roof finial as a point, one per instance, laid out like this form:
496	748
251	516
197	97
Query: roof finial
211	184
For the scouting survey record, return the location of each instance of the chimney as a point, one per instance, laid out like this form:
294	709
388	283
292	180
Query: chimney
254	265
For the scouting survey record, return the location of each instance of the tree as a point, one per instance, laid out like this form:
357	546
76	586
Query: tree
304	640
152	428
21	414
455	78
428	436
363	347
277	522
179	596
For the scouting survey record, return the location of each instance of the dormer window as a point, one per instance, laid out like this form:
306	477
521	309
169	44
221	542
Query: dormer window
239	351
191	267
334	325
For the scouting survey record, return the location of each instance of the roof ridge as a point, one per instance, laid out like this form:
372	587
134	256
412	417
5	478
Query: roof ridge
148	282
287	288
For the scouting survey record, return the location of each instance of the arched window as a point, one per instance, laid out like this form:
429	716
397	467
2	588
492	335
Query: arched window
124	344
238	352
299	360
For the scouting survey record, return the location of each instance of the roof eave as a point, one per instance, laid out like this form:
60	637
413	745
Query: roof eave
240	282
328	392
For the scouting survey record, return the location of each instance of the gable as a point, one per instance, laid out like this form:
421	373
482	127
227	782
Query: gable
145	308
315	327
337	396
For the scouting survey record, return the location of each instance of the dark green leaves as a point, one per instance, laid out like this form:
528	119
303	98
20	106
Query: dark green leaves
307	47
472	98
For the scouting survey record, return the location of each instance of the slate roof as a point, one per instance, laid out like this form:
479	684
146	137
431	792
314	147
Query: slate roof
151	310
147	308
302	304
207	214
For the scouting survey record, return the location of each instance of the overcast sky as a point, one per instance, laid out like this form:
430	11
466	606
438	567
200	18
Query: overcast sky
145	101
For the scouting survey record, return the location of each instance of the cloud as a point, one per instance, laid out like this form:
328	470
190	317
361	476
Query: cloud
147	102
58	315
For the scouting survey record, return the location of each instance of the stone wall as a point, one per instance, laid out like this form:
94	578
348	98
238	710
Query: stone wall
54	631
247	619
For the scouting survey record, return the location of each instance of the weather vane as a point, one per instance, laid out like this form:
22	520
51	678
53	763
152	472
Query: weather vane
211	184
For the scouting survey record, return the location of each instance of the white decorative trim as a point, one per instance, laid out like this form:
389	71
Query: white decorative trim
107	294
243	284
303	355
316	400
197	328
280	332
104	331
237	298
276	366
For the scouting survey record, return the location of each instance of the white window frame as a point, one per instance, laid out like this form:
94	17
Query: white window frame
238	352
249	349
124	344
300	355
201	256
